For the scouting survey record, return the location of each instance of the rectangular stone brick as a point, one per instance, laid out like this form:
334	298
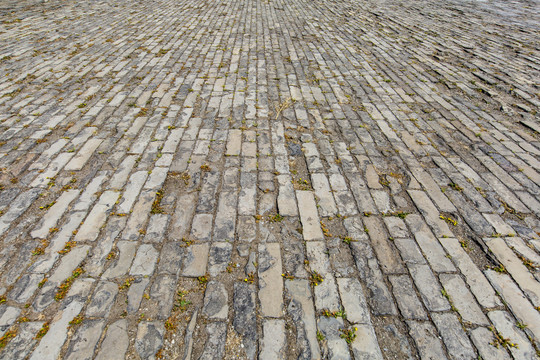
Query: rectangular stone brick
309	216
97	217
270	280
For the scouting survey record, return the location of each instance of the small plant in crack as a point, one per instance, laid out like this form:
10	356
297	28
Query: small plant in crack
315	278
348	334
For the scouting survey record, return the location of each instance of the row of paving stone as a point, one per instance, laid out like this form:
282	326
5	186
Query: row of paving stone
282	179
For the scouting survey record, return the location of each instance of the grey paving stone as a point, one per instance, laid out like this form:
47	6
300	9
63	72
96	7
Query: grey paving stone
102	300
462	299
270	280
149	339
429	288
456	341
480	287
51	344
334	347
517	270
273	341
225	221
219	257
215	301
427	340
201	228
516	301
171	258
432	250
286	199
408	303
354	301
365	344
83	343
215	344
309	216
125	257
145	260
244	322
92	224
116	341
157	226
135	294
481	338
386	252
21	345
302	312
54	214
162	292
508	329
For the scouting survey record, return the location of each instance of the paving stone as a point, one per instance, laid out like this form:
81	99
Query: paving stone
219	257
244	322
134	186
426	339
69	263
516	301
286	199
207	202
201	228
21	345
53	215
481	338
51	344
334	346
354	301
517	270
429	288
505	325
430	213
274	341
309	216
387	254
480	287
215	301
92	224
116	341
270	280
429	244
102	300
125	257
410	252
462	299
139	215
145	260
84	154
19	206
196	260
83	343
365	344
456	341
225	221
9	315
135	294
215	344
163	291
325	200
302	312
149	339
170	260
157	226
408	303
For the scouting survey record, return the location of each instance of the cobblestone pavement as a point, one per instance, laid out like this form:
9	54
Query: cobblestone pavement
269	179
